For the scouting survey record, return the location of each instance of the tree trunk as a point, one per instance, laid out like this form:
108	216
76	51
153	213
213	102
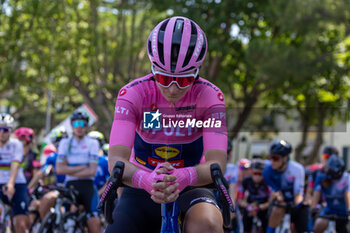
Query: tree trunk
319	138
306	125
243	116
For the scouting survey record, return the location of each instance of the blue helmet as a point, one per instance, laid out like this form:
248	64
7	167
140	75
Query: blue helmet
280	147
335	167
330	150
79	116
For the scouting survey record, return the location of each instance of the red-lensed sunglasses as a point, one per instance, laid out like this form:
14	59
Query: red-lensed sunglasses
326	156
181	80
257	173
274	158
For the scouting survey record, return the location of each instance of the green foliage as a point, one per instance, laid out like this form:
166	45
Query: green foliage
268	53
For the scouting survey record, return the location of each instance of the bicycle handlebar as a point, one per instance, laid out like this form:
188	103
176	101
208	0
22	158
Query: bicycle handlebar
224	197
110	193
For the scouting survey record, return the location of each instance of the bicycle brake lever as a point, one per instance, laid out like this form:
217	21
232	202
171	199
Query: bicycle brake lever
109	195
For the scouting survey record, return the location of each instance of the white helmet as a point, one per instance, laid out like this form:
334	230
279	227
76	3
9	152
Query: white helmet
6	120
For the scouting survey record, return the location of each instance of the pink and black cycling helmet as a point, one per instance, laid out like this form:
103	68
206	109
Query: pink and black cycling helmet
24	133
177	45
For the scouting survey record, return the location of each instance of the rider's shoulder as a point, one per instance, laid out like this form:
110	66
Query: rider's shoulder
296	165
138	86
207	88
14	141
64	142
90	140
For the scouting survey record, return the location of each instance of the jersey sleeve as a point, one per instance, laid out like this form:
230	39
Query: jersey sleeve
62	150
299	181
211	104
125	117
18	153
347	182
318	186
94	149
272	179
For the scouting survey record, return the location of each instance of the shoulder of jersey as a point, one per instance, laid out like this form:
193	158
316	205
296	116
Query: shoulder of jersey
135	84
298	165
64	140
14	141
92	140
209	88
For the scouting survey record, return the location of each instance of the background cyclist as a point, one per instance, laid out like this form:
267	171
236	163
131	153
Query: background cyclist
286	180
334	185
231	175
256	198
77	159
102	172
13	186
48	174
31	159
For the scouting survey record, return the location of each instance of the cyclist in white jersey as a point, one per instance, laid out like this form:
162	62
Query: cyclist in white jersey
13	189
77	159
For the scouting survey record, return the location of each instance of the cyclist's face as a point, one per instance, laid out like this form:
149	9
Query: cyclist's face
173	93
4	134
276	161
79	130
257	175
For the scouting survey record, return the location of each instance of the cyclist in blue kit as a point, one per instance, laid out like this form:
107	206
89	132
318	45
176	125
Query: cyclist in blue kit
334	185
286	180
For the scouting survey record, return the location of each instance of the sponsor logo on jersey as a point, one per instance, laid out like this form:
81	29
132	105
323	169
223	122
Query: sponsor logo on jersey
291	178
166	152
121	110
140	161
154	107
122	92
221	96
175	163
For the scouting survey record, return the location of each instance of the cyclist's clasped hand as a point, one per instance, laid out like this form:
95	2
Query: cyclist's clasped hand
175	180
9	190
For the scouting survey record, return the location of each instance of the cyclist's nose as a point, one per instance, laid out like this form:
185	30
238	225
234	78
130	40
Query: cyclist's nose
173	89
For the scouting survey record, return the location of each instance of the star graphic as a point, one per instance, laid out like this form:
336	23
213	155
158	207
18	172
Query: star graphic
156	115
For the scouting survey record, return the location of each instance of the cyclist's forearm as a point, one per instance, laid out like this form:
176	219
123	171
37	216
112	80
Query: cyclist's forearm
264	206
64	169
87	172
13	173
298	198
347	200
315	199
35	179
121	153
203	170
